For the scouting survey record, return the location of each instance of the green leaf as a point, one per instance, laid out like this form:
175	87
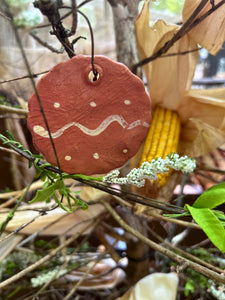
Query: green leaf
189	287
219	214
62	205
212	197
45	193
210	224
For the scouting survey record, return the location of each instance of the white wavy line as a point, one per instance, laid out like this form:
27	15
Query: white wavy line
92	132
134	124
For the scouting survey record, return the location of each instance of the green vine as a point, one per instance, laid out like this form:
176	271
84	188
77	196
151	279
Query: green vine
54	186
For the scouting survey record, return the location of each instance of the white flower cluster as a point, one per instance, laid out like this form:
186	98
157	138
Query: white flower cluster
149	171
217	292
28	18
45	277
25	14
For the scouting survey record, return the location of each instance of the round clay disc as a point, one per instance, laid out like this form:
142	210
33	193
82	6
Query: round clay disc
96	126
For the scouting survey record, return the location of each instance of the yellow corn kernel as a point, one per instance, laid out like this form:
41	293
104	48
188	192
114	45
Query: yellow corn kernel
162	139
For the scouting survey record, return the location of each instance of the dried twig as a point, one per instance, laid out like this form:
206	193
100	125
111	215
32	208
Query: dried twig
184	253
45	44
26	62
175	221
51	10
187	26
175	257
63	266
24	77
13	110
44	259
73	290
8	150
104	187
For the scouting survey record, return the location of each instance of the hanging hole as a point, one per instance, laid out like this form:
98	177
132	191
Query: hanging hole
93	76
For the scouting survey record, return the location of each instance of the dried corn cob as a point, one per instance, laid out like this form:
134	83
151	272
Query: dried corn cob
162	138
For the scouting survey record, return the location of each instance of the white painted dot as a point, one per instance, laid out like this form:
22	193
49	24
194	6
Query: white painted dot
93	104
127	102
56	104
96	156
67	157
125	150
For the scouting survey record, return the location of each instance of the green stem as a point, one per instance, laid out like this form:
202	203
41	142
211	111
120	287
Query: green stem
11	213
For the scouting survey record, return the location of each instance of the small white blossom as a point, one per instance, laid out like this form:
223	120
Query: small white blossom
137	176
159	165
28	18
111	175
184	163
218	293
45	277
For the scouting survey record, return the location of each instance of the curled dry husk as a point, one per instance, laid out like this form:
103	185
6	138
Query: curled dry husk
210	33
202	112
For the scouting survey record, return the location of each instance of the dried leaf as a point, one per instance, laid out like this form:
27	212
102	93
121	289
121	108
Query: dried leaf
210	33
168	77
203	121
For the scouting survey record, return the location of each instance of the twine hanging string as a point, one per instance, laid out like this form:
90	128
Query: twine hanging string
94	70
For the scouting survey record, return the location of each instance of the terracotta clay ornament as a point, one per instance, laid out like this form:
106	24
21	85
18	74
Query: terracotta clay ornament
96	126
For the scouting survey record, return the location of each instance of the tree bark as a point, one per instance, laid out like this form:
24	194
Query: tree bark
124	14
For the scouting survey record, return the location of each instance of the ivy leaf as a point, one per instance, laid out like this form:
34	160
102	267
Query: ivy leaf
46	192
210	224
212	197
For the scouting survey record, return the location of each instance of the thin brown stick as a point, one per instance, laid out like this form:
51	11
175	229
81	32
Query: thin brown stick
13	110
180	53
209	169
175	221
109	189
63	266
175	257
26	62
187	26
21	227
184	253
8	150
149	212
73	290
24	77
74	17
45	44
34	186
83	3
9	202
44	259
208	13
200	244
204	175
37	233
4	16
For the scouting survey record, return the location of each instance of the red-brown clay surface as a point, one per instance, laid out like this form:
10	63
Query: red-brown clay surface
96	126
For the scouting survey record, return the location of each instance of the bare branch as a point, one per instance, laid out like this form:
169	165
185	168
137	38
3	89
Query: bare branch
24	77
44	259
13	110
187	26
175	257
